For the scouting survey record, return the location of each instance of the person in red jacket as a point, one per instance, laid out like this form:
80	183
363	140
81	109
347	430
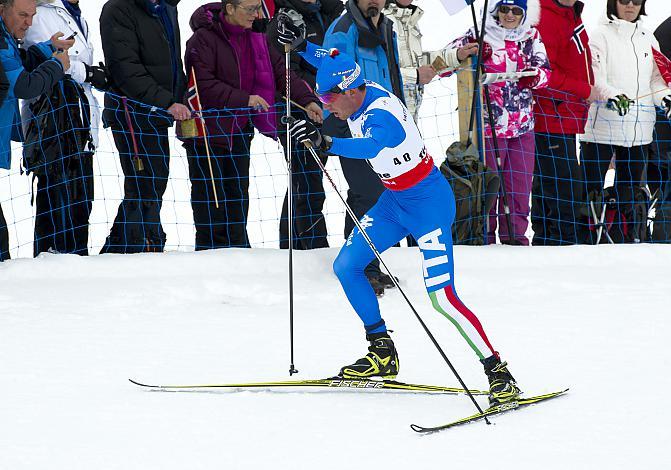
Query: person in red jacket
561	112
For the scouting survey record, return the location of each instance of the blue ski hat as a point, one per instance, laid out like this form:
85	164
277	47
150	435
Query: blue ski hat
513	3
337	72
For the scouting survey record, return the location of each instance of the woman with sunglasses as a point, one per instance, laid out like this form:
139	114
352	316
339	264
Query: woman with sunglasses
240	77
629	85
513	44
417	201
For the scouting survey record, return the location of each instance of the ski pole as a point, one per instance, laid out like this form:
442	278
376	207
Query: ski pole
370	243
480	66
290	205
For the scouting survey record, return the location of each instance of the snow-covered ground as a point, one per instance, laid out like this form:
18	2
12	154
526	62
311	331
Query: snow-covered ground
73	330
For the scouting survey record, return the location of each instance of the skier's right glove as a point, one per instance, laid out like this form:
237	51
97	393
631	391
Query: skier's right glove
290	34
621	104
303	131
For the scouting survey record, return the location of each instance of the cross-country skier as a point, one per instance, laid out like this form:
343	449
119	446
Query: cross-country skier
417	201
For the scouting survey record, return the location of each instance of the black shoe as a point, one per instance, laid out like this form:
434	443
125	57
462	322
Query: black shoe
381	360
386	281
502	386
377	286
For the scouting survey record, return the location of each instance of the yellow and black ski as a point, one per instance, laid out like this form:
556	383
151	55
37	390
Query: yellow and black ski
493	410
335	383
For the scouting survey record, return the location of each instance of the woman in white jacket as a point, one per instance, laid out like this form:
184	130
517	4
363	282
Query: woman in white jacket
63	200
629	85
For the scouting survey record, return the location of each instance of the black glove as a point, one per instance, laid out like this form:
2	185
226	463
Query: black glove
290	34
96	75
666	105
303	130
621	104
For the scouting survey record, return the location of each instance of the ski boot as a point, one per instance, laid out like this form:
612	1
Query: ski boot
381	360
502	386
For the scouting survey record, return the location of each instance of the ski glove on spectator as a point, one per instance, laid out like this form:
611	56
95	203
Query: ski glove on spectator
621	104
96	75
666	105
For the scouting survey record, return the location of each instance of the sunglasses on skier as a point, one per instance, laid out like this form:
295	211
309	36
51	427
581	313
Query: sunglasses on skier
330	96
517	11
638	3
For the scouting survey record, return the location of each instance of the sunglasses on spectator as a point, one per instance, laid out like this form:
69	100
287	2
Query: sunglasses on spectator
638	3
250	10
517	11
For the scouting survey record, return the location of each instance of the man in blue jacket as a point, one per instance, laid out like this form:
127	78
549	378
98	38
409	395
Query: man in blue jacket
47	62
366	35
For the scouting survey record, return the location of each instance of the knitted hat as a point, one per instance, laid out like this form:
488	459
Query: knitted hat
337	70
513	3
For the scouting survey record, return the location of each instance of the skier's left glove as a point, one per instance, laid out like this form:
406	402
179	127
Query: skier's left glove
303	131
530	82
666	105
290	34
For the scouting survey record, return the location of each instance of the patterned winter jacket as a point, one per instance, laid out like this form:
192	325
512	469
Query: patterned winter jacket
513	50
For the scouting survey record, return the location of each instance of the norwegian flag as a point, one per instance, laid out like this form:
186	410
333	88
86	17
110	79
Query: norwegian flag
193	100
268	9
663	64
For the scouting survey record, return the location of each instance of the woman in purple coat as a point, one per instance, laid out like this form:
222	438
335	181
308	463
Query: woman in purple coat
240	77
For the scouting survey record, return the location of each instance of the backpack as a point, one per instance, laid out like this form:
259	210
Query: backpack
475	188
619	214
59	129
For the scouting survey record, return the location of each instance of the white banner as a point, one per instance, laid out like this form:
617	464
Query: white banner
455	6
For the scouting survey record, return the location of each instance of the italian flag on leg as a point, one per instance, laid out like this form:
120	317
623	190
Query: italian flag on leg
445	300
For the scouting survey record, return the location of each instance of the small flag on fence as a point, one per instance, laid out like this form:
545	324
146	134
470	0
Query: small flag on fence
663	64
455	6
267	9
193	127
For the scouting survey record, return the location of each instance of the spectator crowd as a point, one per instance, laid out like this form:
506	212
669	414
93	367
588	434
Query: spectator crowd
571	104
